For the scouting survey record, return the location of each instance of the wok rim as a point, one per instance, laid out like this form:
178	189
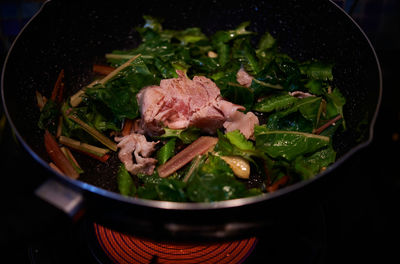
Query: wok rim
86	187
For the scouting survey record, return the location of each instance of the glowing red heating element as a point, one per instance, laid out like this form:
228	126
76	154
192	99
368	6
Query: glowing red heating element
122	248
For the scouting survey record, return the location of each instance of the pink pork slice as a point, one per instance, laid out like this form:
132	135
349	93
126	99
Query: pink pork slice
180	102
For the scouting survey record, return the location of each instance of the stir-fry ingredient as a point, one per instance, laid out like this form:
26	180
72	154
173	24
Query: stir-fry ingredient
196	118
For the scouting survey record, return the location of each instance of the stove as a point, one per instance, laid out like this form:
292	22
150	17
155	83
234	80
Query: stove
353	220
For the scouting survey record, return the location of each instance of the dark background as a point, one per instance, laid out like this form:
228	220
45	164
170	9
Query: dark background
360	209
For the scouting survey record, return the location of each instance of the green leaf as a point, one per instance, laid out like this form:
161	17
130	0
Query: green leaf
121	100
187	135
223	52
236	146
264	86
239	140
315	87
119	93
238	94
317	70
267	41
166	151
291	122
246	55
190	35
126	185
171	190
275	102
228	35
309	166
215	181
309	108
335	103
166	70
288	144
152	23
166	189
49	116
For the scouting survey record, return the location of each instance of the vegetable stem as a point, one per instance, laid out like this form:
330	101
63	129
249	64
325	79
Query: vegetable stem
58	157
58	89
117	70
128	125
198	147
72	159
76	99
84	147
193	167
327	124
94	133
273	86
282	181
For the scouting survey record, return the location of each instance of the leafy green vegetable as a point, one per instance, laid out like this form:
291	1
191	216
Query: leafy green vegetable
291	122
126	185
228	35
335	103
49	116
187	135
284	147
238	94
288	144
166	151
214	181
157	188
119	94
317	70
275	102
238	139
315	87
309	166
237	145
309	108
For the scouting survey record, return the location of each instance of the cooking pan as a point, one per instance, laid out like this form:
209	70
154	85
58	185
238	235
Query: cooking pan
72	35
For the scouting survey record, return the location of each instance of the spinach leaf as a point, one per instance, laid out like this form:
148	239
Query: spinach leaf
238	94
165	189
190	35
119	93
309	108
120	99
291	122
317	70
126	185
49	116
239	140
267	42
214	181
288	144
315	87
246	55
223	52
187	135
335	103
309	166
228	35
237	145
166	151
275	102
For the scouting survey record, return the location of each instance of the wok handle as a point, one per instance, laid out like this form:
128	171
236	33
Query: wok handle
62	197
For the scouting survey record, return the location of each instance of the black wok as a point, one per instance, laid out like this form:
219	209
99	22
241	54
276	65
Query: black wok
72	36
